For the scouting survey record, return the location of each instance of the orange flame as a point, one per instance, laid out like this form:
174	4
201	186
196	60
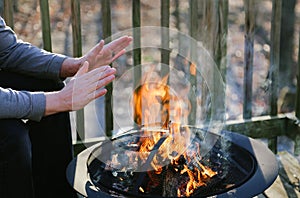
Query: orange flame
152	105
151	101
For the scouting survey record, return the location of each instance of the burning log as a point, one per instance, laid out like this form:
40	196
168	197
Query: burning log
181	179
171	183
147	164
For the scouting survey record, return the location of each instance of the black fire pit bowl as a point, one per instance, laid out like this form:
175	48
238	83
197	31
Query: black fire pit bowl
250	155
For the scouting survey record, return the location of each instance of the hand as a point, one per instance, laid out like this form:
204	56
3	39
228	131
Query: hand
98	56
87	86
84	87
105	54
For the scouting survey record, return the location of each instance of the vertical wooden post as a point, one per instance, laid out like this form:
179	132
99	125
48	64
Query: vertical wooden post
193	31
77	52
177	14
274	63
45	19
216	22
297	107
106	19
250	13
206	36
106	26
165	37
2	8
165	53
182	45
136	23
275	54
220	31
297	110
8	13
287	43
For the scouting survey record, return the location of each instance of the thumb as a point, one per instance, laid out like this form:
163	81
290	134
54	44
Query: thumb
83	69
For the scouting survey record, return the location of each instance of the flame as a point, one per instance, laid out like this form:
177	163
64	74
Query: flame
151	106
151	100
193	69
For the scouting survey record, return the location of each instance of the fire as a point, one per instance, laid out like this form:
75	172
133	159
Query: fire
151	100
152	105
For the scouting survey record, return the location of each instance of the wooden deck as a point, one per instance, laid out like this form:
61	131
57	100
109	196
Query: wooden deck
287	183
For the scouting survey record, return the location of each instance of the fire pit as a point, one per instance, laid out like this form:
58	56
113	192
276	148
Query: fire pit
183	165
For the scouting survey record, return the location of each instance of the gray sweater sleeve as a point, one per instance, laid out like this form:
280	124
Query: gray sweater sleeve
22	57
22	104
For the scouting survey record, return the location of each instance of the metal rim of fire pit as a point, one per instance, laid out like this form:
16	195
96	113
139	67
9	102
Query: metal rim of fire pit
264	175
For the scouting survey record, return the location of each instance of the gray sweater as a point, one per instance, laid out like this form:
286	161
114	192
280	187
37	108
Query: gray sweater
25	58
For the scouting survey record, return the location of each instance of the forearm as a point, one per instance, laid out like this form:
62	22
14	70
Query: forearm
56	103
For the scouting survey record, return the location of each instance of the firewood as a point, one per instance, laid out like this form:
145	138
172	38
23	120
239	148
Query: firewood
171	183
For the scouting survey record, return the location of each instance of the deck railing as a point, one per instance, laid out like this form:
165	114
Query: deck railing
269	126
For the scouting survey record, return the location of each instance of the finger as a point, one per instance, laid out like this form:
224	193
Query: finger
83	69
96	94
99	47
100	73
119	44
108	72
98	80
118	55
100	92
105	81
86	77
98	70
91	89
115	43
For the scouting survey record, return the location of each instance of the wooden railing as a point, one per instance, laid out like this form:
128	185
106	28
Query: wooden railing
270	126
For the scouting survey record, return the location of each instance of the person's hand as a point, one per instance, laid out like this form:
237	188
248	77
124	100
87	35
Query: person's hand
87	86
98	56
84	87
105	54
